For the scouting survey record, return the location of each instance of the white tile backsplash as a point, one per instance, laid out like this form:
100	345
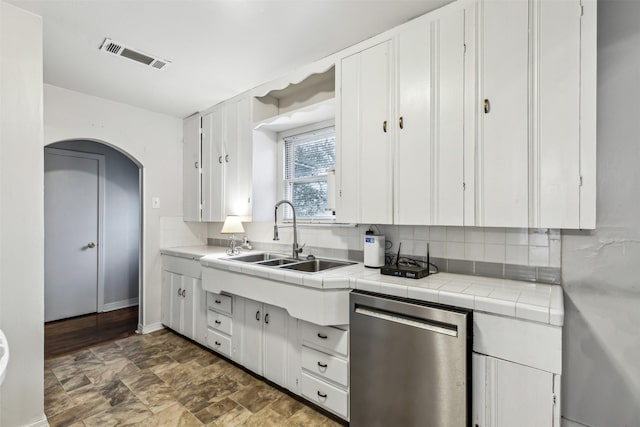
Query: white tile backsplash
455	234
517	236
519	246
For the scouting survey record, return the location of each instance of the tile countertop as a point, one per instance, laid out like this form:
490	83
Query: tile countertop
522	300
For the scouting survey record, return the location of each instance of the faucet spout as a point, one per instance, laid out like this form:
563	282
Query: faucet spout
296	248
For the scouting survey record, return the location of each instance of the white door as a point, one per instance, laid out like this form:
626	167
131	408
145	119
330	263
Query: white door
252	336
191	168
275	344
177	303
413	147
212	172
189	288
509	394
72	205
503	153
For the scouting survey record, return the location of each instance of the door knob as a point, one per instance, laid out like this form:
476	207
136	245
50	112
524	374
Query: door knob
91	245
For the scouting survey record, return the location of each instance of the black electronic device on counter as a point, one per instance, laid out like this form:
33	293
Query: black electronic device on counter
408	271
405	270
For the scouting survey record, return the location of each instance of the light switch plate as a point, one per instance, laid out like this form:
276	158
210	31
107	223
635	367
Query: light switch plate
155	203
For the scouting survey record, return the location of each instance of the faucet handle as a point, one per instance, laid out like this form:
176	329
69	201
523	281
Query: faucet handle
298	249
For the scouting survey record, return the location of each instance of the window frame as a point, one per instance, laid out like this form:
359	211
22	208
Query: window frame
282	182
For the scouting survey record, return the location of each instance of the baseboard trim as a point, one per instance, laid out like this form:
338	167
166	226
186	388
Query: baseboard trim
147	329
565	422
120	304
40	423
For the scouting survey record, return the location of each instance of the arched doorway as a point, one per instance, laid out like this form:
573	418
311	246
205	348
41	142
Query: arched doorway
93	244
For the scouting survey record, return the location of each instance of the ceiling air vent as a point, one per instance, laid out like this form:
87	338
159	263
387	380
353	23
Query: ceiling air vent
120	49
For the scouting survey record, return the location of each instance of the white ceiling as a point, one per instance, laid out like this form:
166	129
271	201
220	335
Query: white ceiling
218	48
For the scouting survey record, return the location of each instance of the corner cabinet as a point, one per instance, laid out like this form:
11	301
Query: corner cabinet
509	394
535	163
218	161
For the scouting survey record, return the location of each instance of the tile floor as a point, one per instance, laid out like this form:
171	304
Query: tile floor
161	379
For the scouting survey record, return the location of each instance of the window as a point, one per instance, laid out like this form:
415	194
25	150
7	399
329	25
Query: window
307	157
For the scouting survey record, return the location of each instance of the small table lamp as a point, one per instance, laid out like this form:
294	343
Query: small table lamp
232	225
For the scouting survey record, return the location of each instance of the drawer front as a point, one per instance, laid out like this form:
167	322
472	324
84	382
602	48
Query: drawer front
325	395
183	266
326	366
219	342
219	302
219	322
326	338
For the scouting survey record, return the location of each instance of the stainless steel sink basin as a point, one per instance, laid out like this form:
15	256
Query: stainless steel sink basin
317	265
277	262
265	256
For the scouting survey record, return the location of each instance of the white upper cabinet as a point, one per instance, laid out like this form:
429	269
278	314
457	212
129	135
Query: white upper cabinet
429	175
556	116
535	163
366	135
227	161
191	168
401	141
213	166
503	140
412	204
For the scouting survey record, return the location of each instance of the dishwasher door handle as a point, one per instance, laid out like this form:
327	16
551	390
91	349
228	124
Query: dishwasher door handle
436	327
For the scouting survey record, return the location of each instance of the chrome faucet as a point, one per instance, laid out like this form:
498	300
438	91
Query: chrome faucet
296	249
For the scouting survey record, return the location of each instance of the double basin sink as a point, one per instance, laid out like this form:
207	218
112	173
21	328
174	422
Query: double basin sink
269	259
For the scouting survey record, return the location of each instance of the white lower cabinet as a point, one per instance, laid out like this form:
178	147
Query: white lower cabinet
220	324
265	340
183	306
325	367
509	394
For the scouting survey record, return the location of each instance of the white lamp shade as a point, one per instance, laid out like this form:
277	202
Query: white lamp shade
232	225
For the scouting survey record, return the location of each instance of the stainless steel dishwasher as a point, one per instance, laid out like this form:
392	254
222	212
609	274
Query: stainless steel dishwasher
410	363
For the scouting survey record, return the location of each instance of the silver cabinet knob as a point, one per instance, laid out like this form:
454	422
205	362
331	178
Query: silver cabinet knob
91	245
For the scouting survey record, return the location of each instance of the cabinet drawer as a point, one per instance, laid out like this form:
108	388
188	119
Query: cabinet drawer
219	322
326	338
219	302
326	366
219	342
325	395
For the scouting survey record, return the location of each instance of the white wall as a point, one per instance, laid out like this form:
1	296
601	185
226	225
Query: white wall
121	223
21	215
601	269
155	140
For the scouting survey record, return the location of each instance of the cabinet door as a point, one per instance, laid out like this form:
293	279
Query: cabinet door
237	329
376	156
167	298
503	165
508	394
213	172
238	157
200	313
252	336
275	344
413	145
366	154
176	303
191	168
189	309
447	195
557	143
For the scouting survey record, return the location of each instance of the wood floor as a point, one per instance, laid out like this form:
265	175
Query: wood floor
71	335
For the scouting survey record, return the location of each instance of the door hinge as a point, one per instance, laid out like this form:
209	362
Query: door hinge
464	46
555	400
580	181
340	193
464	186
581	10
